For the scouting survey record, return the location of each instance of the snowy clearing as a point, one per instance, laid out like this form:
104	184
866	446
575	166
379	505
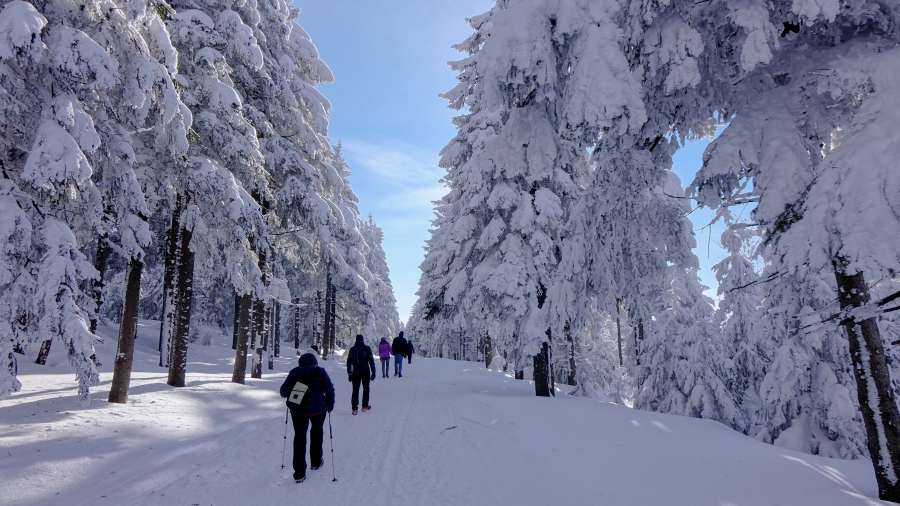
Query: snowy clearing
448	432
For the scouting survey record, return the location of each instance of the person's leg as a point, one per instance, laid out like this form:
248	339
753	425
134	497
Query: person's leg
384	366
316	438
354	399
365	383
300	425
399	360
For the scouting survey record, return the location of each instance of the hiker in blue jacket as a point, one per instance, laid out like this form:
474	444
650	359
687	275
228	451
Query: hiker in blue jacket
310	413
360	369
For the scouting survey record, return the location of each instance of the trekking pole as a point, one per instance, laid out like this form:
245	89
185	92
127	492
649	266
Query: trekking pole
331	439
284	444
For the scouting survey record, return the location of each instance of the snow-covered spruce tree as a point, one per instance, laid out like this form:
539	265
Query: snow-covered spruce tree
738	311
54	74
513	169
225	140
384	306
817	138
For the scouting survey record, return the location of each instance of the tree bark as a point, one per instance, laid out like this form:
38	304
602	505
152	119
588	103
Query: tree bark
488	352
237	312
97	285
121	379
44	352
570	379
184	301
619	332
270	337
259	322
277	324
873	384
170	268
542	372
317	333
297	324
327	323
333	329
240	354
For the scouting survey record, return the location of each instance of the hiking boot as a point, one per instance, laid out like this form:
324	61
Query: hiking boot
354	412
366	408
400	375
300	479
318	466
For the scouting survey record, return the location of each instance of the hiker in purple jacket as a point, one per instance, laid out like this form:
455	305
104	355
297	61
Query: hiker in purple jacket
384	353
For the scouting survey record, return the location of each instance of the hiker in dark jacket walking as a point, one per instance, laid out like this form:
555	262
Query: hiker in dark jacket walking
360	369
409	354
310	413
400	348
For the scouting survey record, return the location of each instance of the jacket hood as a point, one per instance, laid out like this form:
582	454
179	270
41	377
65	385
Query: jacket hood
359	338
383	339
308	359
401	334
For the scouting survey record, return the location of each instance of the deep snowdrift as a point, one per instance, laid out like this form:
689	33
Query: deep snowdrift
446	433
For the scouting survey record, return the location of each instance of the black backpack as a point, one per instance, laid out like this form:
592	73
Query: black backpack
357	363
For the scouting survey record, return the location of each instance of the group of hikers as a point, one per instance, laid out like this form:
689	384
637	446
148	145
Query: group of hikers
310	393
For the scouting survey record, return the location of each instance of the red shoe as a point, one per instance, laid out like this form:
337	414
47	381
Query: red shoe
366	408
354	411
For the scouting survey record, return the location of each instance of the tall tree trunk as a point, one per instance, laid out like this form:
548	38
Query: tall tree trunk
237	312
488	352
170	272
639	338
259	321
277	327
317	333
619	332
297	323
121	379
97	285
333	329
326	327
542	372
184	301
270	337
873	385
44	352
240	354
570	380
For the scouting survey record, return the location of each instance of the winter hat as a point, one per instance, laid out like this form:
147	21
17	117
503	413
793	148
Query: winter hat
308	359
401	333
383	339
359	338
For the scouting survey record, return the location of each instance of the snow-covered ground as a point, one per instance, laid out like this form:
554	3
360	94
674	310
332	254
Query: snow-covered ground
446	433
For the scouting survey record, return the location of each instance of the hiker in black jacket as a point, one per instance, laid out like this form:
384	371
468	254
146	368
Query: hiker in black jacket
316	402
400	347
409	354
360	369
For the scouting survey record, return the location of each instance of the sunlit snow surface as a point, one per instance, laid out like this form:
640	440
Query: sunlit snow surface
446	433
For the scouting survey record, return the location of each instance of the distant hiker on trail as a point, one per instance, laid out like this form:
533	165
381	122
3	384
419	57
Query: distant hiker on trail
384	353
310	395
400	348
360	369
409	353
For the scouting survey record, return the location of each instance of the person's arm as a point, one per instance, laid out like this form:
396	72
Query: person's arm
348	361
287	386
372	363
328	390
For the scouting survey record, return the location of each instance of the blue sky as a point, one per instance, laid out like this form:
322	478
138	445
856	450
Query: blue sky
389	61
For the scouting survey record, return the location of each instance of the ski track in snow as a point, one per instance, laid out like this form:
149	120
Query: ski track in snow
448	433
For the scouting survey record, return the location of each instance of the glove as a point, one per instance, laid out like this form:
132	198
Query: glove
373	376
350	379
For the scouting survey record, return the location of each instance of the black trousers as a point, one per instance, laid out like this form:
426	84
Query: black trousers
316	425
365	384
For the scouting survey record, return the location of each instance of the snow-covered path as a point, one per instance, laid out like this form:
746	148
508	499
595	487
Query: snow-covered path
446	433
